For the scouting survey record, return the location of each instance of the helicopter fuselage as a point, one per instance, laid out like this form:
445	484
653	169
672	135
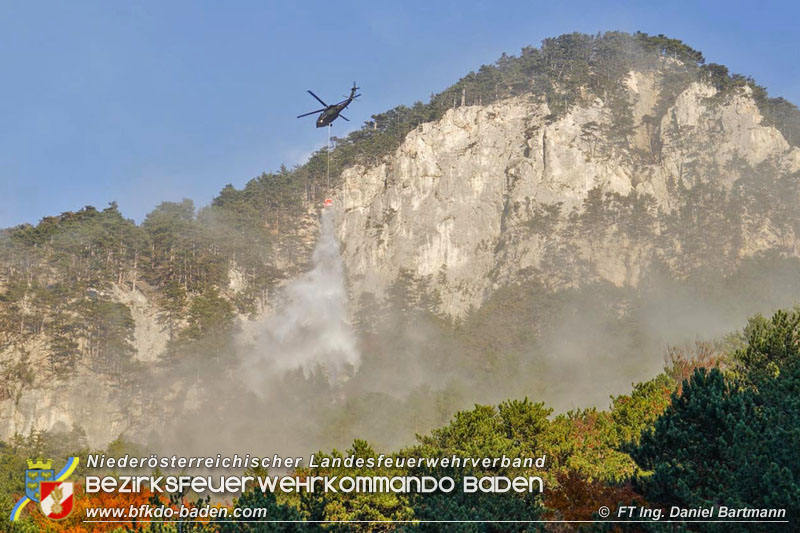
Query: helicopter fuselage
331	113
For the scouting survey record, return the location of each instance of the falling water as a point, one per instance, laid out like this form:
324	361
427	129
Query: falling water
309	329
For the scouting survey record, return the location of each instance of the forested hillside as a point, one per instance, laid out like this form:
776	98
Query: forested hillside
719	426
151	314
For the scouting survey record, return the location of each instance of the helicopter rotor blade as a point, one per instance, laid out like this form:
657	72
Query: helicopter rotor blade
318	98
311	113
344	117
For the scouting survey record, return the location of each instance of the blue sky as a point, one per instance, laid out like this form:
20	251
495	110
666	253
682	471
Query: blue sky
141	102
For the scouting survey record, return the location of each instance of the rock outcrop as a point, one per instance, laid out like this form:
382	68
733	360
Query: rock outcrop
462	204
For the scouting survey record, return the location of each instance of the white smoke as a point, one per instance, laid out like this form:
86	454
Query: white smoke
309	329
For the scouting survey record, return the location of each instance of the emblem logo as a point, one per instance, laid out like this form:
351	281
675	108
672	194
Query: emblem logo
37	472
42	485
56	499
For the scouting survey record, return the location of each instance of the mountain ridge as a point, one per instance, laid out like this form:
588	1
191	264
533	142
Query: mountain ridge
573	170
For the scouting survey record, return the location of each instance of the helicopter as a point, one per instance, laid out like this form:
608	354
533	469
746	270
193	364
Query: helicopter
329	113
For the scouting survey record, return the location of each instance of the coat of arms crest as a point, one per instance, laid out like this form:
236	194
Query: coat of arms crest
37	472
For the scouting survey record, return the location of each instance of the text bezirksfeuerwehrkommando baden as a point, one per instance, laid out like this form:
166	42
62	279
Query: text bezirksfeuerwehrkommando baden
312	483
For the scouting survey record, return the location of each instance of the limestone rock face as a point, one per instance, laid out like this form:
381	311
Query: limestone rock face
150	337
458	204
42	401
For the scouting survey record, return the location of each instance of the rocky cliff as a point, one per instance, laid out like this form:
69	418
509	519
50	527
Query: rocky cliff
492	195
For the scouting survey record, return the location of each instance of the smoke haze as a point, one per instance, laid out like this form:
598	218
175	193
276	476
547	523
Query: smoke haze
309	330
